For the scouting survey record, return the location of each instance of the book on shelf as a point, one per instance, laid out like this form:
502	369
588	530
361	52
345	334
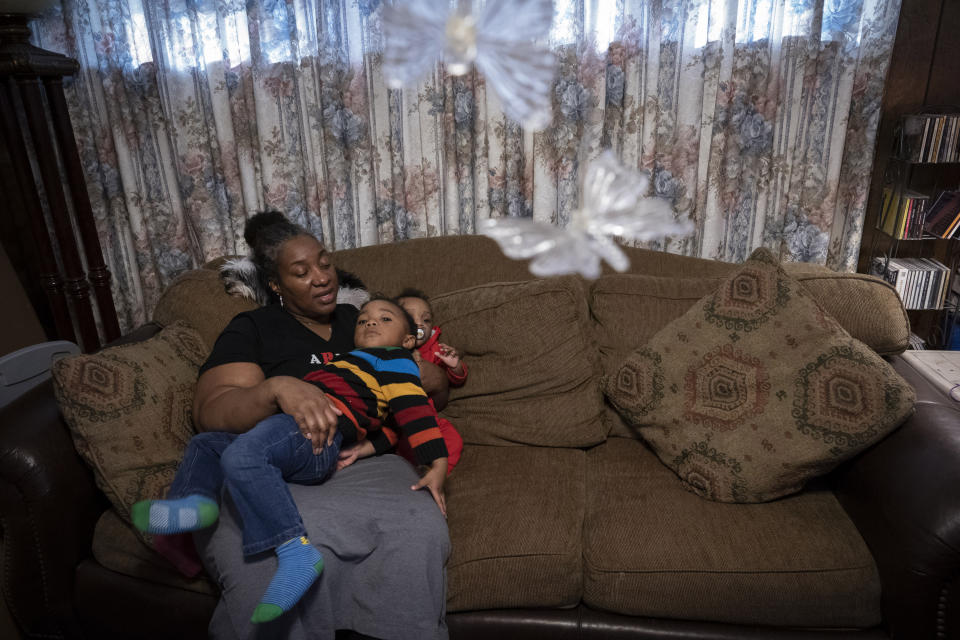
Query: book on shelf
941	368
929	137
886	204
902	215
914	217
916	342
943	216
921	283
936	285
949	147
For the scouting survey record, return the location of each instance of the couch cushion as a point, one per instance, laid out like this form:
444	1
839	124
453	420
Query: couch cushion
534	367
117	547
129	411
653	549
199	299
756	389
516	521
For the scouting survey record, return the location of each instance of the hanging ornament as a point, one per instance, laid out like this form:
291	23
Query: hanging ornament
613	204
498	38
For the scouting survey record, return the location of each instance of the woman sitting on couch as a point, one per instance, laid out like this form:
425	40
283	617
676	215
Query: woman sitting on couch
385	573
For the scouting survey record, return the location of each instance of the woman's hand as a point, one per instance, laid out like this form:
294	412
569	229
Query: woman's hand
433	480
316	416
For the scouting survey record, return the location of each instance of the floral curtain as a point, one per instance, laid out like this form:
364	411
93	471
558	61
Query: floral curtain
757	118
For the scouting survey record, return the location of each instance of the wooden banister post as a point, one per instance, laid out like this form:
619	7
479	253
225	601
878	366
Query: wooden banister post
39	139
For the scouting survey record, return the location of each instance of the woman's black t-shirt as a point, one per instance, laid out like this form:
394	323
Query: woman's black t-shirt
279	343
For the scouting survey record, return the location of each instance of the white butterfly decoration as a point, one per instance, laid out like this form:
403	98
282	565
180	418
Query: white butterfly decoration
613	203
498	38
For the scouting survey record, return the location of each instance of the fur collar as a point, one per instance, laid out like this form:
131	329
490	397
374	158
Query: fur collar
240	278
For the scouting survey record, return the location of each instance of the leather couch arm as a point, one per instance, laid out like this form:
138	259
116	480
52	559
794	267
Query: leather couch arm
49	506
904	497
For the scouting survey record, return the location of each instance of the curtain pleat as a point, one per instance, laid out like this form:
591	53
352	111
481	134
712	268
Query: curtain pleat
756	118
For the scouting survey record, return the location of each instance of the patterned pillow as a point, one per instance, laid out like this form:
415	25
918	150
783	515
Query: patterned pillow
129	411
756	390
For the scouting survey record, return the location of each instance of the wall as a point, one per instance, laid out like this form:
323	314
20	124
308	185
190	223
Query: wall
20	326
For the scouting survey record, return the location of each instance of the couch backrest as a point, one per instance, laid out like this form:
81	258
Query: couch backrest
493	324
433	265
440	265
198	298
866	306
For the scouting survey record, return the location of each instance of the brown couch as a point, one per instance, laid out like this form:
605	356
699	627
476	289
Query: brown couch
563	523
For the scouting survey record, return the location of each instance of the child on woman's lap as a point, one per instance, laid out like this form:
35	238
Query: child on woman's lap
255	466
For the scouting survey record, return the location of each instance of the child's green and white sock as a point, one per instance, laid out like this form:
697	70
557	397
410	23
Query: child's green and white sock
299	566
174	516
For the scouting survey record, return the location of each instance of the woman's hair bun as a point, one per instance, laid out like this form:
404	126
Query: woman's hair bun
258	222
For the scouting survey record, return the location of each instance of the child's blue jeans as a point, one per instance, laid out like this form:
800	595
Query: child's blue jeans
255	467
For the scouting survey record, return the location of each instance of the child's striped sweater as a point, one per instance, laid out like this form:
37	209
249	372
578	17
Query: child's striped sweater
374	384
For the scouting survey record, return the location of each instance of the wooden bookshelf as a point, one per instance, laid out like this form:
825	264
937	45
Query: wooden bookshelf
920	258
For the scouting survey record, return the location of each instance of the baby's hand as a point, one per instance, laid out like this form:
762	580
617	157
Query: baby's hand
448	355
353	453
416	356
433	480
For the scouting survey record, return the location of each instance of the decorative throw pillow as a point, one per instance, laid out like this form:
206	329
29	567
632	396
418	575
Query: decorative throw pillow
756	390
129	411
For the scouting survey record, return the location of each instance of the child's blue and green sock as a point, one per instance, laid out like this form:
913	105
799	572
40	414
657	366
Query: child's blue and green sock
174	516
299	566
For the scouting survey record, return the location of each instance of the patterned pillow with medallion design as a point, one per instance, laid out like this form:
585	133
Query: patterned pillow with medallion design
129	409
755	390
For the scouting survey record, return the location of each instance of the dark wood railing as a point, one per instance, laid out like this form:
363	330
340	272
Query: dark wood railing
48	184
